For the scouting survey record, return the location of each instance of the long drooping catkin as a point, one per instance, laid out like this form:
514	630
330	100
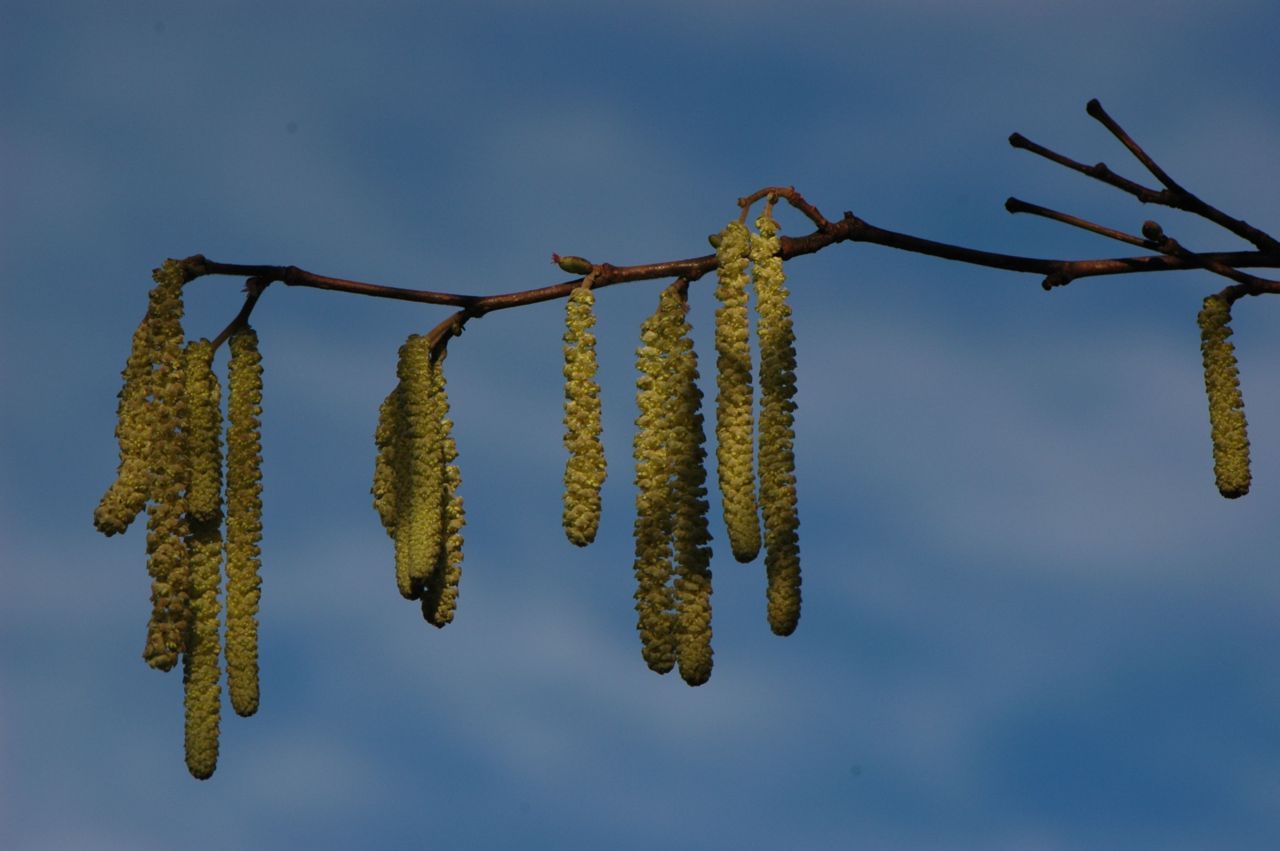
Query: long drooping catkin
584	471
244	519
1226	404
202	692
691	536
777	432
167	475
655	598
733	399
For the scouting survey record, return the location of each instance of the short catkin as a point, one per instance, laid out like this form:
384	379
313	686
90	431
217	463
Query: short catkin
244	519
776	430
584	471
440	594
419	469
734	425
128	494
1226	404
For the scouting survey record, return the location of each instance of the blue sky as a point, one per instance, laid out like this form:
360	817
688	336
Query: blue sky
1029	619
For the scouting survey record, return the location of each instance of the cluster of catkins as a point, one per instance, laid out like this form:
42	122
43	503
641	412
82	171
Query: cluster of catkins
169	428
415	482
169	431
1226	405
672	539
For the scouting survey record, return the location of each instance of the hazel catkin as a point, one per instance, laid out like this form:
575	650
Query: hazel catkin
655	598
202	692
204	432
690	533
1226	404
584	471
168	473
734	426
776	430
244	519
440	593
419	468
440	598
386	438
127	495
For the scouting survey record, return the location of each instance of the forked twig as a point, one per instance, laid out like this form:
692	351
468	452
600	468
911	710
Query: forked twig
1170	255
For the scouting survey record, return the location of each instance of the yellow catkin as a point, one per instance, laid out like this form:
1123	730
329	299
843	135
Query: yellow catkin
167	475
419	482
127	495
204	432
691	536
441	596
776	431
440	593
384	466
655	597
584	471
244	519
397	476
202	691
1226	405
734	454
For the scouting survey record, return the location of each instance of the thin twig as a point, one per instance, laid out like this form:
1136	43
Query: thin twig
850	228
792	197
1099	171
1016	205
1170	246
1095	110
254	287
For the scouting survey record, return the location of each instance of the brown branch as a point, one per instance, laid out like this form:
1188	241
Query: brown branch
253	288
1252	284
792	197
1095	110
1174	195
1015	205
850	228
1099	171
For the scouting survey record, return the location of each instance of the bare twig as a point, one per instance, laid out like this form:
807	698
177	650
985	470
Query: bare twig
1015	205
1173	195
253	288
850	228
